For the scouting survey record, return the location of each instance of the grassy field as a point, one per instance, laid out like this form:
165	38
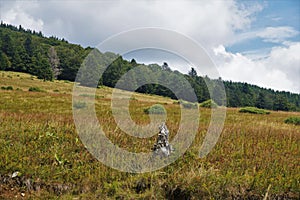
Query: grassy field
256	157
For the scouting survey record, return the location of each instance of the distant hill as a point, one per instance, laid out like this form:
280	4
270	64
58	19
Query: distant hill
52	58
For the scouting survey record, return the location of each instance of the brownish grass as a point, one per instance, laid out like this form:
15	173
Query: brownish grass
38	139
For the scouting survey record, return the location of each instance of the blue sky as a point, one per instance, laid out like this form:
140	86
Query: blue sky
275	13
249	41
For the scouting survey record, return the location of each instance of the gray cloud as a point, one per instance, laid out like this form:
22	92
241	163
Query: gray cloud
89	22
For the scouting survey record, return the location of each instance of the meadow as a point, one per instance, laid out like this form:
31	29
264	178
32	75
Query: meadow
256	157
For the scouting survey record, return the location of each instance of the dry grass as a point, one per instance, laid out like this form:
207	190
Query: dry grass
255	154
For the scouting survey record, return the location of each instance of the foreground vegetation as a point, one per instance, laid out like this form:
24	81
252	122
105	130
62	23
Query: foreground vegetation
256	155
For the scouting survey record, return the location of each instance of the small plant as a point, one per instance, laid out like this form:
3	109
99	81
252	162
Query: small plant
133	99
253	110
155	109
79	105
7	88
293	120
86	95
188	105
35	89
176	102
208	104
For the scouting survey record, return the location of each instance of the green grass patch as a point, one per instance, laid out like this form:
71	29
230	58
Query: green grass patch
188	105
253	110
293	120
7	88
35	89
208	104
79	105
155	109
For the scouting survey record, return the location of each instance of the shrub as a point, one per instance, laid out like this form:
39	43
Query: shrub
155	109
293	120
208	104
7	88
188	105
35	89
253	110
79	105
176	102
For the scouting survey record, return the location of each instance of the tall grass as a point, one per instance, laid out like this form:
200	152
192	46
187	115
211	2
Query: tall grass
255	154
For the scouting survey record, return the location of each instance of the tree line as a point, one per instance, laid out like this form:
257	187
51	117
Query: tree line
52	58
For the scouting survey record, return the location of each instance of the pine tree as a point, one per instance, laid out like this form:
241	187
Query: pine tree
7	46
4	61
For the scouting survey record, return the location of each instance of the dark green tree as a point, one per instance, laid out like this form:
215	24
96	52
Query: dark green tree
4	61
261	101
281	103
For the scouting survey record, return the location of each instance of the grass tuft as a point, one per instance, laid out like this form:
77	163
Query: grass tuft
155	109
35	89
293	120
188	105
7	88
79	105
208	104
253	110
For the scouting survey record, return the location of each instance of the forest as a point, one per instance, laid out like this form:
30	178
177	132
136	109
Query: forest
51	58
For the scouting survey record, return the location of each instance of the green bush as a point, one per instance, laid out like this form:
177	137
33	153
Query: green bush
253	110
155	109
35	89
188	105
7	88
79	105
208	104
293	120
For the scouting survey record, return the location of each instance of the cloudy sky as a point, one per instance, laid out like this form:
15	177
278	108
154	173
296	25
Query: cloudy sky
250	41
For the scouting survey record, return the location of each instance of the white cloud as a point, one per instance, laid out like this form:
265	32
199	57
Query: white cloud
269	34
280	70
277	34
89	22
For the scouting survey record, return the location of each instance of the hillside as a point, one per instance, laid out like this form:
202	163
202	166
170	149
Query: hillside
52	58
256	155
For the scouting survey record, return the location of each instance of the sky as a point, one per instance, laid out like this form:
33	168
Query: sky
257	42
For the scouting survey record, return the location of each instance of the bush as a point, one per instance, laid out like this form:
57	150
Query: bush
79	105
155	109
293	120
254	110
35	89
176	102
7	88
188	105
208	104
